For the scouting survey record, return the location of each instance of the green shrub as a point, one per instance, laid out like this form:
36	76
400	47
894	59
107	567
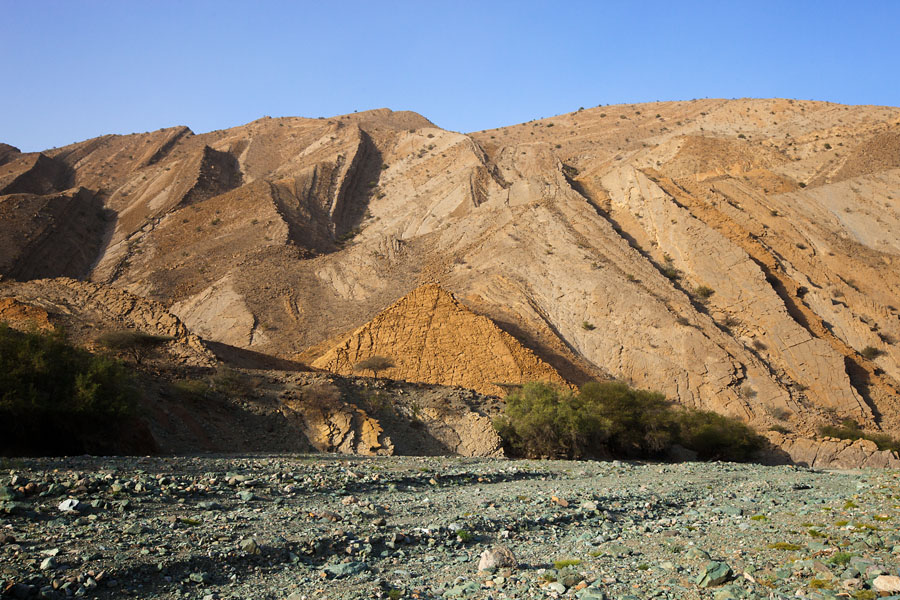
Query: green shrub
714	436
703	292
611	418
785	546
57	399
233	383
840	558
668	269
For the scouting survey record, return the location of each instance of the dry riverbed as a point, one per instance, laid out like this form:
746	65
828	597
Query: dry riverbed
325	526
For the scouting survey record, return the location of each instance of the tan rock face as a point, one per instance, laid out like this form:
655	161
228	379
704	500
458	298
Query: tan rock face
341	428
834	453
51	235
384	426
433	338
588	237
87	309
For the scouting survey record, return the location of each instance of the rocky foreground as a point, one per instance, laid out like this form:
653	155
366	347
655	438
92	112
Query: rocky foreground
321	526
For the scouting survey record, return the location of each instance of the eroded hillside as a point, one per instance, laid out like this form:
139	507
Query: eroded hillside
739	255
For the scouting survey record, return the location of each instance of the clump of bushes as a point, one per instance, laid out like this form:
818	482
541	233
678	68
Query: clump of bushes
613	419
850	430
58	399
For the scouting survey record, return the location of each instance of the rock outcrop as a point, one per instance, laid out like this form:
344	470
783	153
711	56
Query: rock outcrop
834	453
379	420
431	337
88	309
24	317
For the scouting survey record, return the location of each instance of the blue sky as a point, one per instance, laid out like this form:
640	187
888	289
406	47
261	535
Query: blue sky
75	69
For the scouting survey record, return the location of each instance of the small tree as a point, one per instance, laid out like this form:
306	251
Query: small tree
374	363
136	344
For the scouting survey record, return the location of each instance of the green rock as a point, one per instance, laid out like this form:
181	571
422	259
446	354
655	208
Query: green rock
7	493
616	550
200	577
249	546
346	569
714	573
729	592
463	590
696	554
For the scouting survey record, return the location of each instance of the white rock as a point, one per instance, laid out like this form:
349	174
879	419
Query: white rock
886	583
70	505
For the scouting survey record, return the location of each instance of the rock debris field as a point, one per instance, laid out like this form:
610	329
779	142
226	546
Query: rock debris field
321	526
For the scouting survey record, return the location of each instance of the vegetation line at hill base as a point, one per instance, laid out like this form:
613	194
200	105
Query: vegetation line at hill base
611	419
58	399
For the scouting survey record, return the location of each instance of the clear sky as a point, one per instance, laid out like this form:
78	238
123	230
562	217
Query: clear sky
75	69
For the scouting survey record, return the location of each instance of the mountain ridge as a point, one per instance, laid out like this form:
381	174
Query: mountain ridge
736	255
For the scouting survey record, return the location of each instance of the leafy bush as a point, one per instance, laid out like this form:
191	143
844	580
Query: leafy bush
611	418
57	399
715	436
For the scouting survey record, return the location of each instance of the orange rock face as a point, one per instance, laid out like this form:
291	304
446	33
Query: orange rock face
432	338
23	316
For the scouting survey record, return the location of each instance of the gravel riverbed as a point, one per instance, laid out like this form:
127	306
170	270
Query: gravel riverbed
325	526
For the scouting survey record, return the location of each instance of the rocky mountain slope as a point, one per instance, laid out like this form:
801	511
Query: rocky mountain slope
737	255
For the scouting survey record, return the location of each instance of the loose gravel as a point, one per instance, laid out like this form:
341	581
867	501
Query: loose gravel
322	526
